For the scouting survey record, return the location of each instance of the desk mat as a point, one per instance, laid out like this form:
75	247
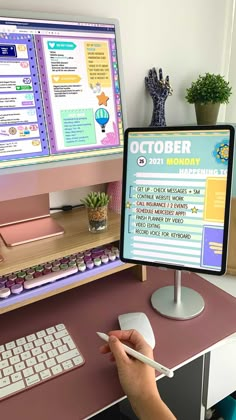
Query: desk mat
95	307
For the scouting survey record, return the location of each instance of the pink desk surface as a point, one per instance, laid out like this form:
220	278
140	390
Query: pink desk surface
95	307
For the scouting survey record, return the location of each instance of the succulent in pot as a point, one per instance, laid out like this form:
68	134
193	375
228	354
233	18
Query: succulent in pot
97	206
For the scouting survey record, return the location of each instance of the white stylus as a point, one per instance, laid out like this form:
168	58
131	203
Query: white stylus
160	368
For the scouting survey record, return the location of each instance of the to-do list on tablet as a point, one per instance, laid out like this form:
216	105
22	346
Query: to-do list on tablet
177	191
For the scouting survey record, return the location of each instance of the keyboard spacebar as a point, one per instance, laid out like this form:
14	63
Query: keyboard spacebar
50	277
11	389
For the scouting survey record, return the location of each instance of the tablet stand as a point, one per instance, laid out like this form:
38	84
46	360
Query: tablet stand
177	302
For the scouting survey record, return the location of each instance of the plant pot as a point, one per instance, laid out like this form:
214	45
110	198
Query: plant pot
97	219
207	113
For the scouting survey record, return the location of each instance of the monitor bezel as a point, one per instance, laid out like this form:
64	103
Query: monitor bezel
231	129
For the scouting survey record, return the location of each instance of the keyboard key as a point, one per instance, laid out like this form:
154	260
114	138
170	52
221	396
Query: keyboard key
10	389
4	364
31	337
57	343
7	354
8	371
49	277
25	355
51	362
15	359
49	339
10	345
4	382
53	353
36	351
45	374
51	330
60	327
28	372
16	377
67	365
47	347
63	349
41	334
21	341
18	350
31	362
31	380
38	368
39	342
42	357
78	360
20	366
66	356
68	340
60	334
56	369
28	346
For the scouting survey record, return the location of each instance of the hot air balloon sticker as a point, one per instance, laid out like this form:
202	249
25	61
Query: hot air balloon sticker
102	118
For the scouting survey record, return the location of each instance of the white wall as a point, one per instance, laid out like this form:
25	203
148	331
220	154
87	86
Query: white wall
185	38
231	107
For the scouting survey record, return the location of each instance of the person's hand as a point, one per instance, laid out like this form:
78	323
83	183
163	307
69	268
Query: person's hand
137	379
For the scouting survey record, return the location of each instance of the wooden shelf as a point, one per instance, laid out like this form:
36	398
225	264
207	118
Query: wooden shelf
75	239
51	289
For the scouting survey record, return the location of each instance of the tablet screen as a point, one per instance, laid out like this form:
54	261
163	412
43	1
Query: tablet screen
176	197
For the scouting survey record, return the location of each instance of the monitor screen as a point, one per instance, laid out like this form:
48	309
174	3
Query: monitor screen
176	197
60	89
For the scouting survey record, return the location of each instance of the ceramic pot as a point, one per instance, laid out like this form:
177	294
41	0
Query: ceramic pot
207	113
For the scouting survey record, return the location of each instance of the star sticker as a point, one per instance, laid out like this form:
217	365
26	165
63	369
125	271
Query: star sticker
194	210
128	205
102	99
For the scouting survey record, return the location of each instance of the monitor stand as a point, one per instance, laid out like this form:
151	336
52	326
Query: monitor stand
27	219
177	302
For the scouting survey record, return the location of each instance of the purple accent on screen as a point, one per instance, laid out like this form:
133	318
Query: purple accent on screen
29	103
113	49
25	295
45	90
28	40
209	258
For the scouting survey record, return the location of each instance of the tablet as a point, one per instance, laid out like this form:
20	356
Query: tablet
176	197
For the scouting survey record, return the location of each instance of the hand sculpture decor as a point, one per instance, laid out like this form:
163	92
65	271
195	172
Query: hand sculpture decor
159	90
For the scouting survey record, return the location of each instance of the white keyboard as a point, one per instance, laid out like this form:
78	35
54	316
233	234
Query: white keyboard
35	358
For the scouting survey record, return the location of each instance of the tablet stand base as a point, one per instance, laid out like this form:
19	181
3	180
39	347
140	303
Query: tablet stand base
177	302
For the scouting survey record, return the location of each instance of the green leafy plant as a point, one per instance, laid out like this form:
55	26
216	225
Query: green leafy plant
96	199
209	88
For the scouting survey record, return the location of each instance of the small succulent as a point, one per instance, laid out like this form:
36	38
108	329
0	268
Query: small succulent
96	199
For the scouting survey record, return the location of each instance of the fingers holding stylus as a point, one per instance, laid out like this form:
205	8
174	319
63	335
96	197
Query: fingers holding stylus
132	338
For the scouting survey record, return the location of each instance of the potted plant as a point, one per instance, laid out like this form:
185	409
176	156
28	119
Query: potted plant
207	93
97	205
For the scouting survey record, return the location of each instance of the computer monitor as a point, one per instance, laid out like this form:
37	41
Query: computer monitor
176	205
62	112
